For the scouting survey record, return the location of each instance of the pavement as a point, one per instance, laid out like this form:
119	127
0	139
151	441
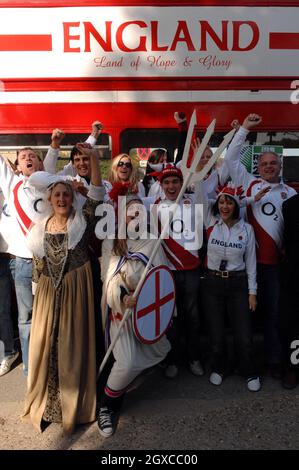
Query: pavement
186	413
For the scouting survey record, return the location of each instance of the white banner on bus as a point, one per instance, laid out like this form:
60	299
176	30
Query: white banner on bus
149	42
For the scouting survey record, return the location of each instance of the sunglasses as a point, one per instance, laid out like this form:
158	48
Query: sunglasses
126	164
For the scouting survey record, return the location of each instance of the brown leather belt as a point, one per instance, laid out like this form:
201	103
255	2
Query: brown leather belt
226	274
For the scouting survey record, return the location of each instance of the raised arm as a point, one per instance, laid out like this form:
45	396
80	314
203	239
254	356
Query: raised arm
51	158
237	171
96	129
6	176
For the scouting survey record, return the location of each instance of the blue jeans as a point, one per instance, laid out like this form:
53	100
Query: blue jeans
19	271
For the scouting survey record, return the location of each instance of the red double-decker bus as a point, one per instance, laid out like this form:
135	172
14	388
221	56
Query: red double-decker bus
132	64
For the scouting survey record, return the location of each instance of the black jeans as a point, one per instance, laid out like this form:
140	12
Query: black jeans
231	295
268	281
187	320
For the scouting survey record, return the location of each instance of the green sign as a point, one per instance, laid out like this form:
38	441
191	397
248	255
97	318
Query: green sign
251	153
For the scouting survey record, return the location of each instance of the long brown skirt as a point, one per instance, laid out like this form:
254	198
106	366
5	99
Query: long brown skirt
75	349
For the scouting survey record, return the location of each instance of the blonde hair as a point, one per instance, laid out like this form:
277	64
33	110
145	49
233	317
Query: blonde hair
64	183
113	178
120	246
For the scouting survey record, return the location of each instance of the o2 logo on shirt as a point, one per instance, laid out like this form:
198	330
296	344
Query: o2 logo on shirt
295	354
36	207
269	209
5	210
177	226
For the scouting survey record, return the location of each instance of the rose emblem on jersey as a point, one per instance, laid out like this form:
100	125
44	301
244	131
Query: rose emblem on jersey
187	203
283	195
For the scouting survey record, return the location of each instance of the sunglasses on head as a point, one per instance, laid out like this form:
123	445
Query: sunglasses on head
127	164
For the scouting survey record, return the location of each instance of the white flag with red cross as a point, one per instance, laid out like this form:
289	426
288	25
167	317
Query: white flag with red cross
155	305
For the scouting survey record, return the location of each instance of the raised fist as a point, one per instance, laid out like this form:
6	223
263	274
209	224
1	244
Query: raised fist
251	121
96	128
57	136
235	124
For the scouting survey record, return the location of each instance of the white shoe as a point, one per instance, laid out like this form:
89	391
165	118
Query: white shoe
196	368
7	362
171	371
215	378
253	384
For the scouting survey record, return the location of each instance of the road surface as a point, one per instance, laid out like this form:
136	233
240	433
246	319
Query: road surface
184	414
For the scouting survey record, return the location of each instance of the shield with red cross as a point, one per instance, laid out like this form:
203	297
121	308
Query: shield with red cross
155	305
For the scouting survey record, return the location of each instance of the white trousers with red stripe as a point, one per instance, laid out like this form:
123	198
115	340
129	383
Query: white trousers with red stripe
131	357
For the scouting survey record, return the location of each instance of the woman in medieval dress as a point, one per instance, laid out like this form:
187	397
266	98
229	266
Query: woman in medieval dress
62	371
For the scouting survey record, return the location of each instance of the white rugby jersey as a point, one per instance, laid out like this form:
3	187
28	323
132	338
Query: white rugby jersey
235	246
185	238
6	226
24	204
265	215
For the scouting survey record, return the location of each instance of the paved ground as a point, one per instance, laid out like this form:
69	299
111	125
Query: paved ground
185	413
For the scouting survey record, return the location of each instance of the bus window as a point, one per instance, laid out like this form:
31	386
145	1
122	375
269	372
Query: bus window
150	139
140	156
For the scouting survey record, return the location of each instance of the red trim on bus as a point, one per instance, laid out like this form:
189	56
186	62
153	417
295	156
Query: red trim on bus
118	117
284	41
39	118
25	42
147	83
166	3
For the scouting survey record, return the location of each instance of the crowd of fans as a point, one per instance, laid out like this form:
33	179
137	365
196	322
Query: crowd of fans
61	273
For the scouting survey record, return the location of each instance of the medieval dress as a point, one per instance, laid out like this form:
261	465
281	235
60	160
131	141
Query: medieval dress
62	368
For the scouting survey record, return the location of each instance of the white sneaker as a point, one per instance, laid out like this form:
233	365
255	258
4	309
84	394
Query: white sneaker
7	362
196	368
253	384
215	378
171	371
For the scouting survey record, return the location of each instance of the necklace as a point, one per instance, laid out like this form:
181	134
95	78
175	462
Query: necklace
56	254
54	227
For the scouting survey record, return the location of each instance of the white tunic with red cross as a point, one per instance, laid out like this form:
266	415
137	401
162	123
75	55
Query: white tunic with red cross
265	215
